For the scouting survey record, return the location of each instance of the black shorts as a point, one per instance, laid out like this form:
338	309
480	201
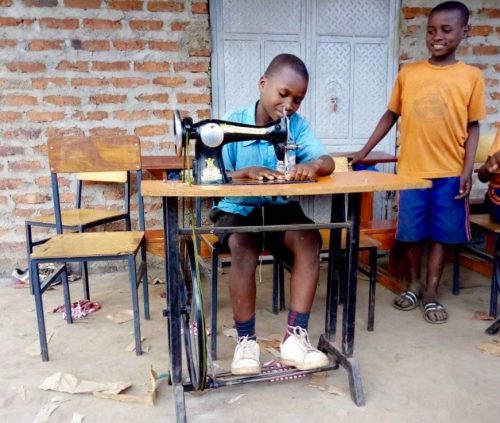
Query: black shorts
275	214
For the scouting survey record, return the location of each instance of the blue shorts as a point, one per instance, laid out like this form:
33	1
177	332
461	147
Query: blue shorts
434	214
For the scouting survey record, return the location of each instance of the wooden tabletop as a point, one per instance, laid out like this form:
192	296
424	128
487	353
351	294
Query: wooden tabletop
337	183
372	158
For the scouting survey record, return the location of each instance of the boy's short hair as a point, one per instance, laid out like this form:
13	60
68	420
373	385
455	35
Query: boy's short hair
290	60
451	6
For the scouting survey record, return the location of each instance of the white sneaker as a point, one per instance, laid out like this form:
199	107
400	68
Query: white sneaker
298	352
246	357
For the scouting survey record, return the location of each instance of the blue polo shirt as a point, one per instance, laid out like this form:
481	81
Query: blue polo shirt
239	155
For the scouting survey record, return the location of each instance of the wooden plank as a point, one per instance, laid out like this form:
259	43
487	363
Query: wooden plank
77	217
94	154
118	177
344	182
484	221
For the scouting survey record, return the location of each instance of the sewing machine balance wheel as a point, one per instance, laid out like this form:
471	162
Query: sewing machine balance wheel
178	133
193	328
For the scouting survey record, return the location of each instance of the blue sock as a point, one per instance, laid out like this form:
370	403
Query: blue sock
296	318
246	328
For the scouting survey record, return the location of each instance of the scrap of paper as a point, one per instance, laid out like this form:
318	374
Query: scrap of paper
65	382
77	418
491	347
481	315
121	316
47	409
34	348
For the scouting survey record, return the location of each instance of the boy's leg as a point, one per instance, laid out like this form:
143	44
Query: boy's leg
413	256
435	266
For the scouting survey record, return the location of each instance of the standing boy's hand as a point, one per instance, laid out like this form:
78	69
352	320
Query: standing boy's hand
465	185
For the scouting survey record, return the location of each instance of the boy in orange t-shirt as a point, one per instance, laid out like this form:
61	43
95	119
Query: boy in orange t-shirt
488	172
440	101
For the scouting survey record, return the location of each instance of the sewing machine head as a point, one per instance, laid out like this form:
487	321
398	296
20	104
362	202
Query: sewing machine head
211	135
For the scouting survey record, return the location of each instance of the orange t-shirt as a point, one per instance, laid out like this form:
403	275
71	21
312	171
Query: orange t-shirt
435	104
495	147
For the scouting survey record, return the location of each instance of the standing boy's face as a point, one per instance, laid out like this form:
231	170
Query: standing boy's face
284	88
445	31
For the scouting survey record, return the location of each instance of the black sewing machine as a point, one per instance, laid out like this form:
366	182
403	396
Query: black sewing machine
211	134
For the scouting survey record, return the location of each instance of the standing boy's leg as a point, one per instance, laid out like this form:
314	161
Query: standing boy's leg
413	255
435	266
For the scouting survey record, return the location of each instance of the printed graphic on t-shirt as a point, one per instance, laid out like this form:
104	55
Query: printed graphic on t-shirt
430	103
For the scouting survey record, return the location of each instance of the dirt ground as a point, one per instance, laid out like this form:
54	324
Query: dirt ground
412	371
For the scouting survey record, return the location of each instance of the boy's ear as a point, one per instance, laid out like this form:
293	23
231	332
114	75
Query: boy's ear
262	82
466	31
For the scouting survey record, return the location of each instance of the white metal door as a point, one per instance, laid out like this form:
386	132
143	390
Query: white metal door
349	47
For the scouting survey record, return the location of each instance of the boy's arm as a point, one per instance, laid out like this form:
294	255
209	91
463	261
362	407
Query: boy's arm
470	152
384	125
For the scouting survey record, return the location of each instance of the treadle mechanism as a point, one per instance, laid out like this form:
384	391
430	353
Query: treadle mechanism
278	375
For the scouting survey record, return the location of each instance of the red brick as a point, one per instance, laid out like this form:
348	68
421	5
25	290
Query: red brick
60	100
44	116
165	6
107	99
129	82
101	24
170	81
22	134
10	183
63	132
14	247
125	5
146	25
42	83
18	100
40	45
497	67
201	82
78	66
164	45
152	66
4	43
34	198
151	130
191	67
129	44
490	13
83	116
483	49
5	3
480	30
204	114
41	3
89	82
25	67
482	66
495	95
491	82
188	98
110	66
413	12
491	110
107	132
20	165
59	23
163	114
199	8
136	115
83	4
6	21
159	98
9	116
200	52
10	150
412	29
179	25
95	45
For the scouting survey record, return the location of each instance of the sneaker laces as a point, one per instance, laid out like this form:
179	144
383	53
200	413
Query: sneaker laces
246	347
303	338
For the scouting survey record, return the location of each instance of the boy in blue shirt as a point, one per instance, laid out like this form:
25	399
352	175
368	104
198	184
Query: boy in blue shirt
282	89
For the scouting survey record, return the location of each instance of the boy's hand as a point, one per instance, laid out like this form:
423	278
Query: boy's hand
303	172
261	173
357	156
493	162
465	186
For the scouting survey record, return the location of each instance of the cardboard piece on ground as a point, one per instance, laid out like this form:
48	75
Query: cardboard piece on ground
121	316
34	348
65	382
148	399
481	315
271	341
318	380
335	390
46	410
131	347
492	347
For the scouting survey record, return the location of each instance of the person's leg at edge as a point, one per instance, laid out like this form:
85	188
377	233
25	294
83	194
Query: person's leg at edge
413	256
435	266
244	256
296	349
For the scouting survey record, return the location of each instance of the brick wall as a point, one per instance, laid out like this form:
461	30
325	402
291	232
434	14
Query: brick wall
120	67
90	67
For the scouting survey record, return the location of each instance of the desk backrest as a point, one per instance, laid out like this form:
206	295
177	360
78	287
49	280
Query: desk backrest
94	154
